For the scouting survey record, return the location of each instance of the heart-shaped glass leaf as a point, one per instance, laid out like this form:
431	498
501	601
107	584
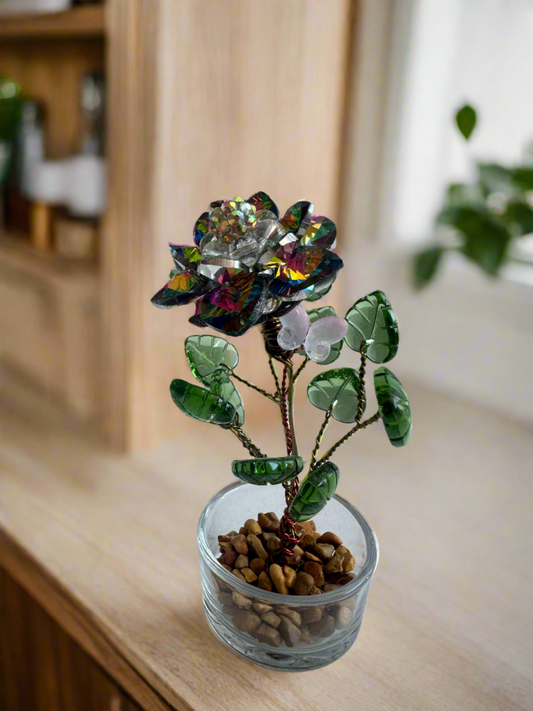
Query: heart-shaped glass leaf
315	315
221	385
205	354
315	491
394	408
267	470
201	404
338	389
372	323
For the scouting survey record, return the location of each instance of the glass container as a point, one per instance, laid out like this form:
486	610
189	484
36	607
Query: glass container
328	624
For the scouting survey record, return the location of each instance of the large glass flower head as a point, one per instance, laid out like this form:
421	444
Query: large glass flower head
248	263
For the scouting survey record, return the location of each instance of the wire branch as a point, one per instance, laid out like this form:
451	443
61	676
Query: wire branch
342	440
246	441
251	385
300	369
275	376
319	438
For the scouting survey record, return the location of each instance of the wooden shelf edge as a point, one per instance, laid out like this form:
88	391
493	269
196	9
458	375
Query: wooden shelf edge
17	254
81	21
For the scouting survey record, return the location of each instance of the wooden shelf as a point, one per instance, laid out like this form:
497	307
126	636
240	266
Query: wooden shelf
78	22
16	253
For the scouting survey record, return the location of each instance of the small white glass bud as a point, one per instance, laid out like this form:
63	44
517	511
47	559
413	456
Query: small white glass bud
295	327
322	335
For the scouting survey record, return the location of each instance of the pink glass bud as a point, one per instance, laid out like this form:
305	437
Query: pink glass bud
322	335
295	327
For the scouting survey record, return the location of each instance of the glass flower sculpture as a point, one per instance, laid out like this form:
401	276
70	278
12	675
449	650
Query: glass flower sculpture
248	263
249	267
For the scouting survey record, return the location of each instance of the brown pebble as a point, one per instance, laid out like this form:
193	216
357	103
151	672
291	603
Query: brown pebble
271	619
224	547
240	544
242	530
328	587
228	567
348	562
290	576
241	600
297	550
289	632
224	539
304	583
324	627
276	574
228	610
249	575
261	607
316	535
246	621
305	637
273	544
242	562
307	541
230	557
267	535
264	582
343	617
268	521
341	550
331	538
311	614
256	544
324	550
267	634
316	571
315	591
344	579
334	565
309	526
292	560
237	573
251	526
257	565
226	598
310	556
299	530
293	615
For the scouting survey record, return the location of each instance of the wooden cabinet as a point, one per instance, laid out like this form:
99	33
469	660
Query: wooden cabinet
42	668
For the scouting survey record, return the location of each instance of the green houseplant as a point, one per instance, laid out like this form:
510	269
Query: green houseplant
483	219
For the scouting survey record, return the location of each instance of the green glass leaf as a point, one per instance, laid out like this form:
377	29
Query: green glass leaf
201	404
221	384
267	470
372	320
466	119
205	354
336	348
425	266
315	491
338	389
393	405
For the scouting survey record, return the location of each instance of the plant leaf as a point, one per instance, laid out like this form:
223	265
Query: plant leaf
494	178
372	320
393	405
523	177
466	119
519	217
425	266
201	404
205	354
315	315
221	385
338	389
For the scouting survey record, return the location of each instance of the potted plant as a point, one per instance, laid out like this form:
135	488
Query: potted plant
284	576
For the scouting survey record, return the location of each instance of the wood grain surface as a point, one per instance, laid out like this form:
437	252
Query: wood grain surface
206	99
79	22
107	545
42	668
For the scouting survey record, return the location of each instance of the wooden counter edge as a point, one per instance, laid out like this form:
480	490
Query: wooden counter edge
84	628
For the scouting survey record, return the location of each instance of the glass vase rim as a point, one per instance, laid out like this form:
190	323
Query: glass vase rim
364	575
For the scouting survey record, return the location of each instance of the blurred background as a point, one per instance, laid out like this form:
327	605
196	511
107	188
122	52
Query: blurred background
120	121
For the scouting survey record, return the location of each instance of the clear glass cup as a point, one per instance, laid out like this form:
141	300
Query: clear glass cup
322	641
